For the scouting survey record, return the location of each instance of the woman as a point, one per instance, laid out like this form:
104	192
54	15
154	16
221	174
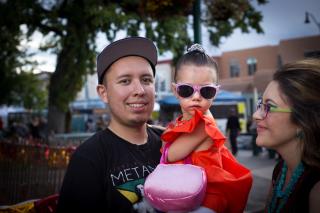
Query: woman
288	121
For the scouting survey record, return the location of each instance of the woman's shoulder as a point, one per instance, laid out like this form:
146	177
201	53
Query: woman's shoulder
316	189
314	198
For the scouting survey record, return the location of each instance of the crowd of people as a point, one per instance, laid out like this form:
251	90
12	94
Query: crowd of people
94	125
36	129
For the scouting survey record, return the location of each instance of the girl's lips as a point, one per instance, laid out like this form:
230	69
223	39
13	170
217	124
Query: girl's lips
195	107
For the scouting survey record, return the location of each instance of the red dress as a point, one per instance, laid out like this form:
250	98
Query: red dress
229	182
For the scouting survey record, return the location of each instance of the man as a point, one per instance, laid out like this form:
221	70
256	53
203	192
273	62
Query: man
233	130
106	172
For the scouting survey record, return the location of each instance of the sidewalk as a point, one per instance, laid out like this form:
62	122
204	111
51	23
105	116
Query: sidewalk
261	167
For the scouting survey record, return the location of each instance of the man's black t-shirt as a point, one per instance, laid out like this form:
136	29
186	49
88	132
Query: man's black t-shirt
106	173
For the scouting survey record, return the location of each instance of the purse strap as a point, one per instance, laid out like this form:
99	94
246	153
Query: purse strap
164	156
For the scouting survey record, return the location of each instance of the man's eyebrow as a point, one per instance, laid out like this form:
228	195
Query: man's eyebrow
123	76
149	75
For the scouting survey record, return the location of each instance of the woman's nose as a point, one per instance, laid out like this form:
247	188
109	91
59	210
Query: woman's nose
256	115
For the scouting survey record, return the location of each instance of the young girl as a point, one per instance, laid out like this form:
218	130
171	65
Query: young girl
196	134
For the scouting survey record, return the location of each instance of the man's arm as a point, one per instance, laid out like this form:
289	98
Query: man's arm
81	190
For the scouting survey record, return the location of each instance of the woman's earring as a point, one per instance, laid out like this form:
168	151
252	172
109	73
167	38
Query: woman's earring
299	134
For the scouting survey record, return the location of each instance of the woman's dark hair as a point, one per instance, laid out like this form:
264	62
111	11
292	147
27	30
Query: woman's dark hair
300	83
195	56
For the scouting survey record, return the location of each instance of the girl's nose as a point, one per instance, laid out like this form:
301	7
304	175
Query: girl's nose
196	95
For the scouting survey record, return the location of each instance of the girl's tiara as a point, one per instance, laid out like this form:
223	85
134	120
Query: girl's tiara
196	47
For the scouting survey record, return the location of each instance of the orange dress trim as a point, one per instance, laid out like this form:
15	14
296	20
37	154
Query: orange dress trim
229	182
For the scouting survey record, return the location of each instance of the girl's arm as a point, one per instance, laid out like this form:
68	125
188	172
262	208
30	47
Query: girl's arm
187	143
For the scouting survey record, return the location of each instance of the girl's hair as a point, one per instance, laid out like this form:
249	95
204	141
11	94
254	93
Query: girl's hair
300	83
195	56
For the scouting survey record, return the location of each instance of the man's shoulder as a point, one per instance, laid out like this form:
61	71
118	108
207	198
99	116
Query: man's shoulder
97	149
156	129
95	142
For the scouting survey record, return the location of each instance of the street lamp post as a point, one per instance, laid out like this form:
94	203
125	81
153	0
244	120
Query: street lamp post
307	20
197	22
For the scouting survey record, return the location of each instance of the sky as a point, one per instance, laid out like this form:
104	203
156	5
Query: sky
282	19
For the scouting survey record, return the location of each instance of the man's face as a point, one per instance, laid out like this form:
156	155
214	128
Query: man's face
129	91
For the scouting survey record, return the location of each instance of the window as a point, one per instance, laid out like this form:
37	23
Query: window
163	86
312	54
234	68
157	85
160	84
252	65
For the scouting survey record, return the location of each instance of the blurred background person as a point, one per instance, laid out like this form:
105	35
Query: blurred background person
233	130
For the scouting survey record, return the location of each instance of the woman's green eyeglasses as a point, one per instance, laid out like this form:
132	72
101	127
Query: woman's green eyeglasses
264	109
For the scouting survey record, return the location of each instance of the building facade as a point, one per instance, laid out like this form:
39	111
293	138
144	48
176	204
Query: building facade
249	71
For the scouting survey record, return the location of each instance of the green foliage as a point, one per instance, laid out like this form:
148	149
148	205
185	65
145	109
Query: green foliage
17	87
31	92
22	89
222	18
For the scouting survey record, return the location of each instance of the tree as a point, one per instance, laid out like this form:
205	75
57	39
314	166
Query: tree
72	27
222	19
18	86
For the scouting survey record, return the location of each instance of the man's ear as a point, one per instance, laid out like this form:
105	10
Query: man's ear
102	92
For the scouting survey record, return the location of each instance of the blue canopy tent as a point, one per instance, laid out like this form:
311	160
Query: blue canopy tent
223	96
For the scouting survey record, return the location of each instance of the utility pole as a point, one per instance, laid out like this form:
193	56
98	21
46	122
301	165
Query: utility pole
197	21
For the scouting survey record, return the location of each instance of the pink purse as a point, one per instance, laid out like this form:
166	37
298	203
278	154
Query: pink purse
175	187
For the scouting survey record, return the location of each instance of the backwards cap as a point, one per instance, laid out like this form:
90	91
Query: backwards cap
132	46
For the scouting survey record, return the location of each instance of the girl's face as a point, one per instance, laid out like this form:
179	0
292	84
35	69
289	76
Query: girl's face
275	130
195	76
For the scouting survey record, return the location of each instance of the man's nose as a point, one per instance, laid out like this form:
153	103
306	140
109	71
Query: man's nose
139	88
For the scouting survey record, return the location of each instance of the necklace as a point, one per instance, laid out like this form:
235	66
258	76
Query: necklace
278	193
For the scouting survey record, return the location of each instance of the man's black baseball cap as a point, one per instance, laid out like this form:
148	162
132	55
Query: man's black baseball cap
132	46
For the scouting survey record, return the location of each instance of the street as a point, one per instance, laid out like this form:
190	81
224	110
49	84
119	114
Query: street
261	167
